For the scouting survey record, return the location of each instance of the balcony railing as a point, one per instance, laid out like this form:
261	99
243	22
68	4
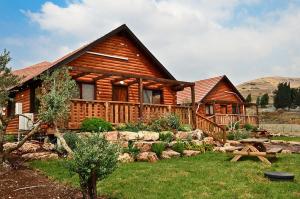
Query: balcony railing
226	119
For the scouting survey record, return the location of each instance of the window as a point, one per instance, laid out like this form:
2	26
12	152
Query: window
152	96
11	108
87	91
35	94
235	109
209	109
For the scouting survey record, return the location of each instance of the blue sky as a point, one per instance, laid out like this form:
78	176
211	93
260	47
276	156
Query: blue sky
226	36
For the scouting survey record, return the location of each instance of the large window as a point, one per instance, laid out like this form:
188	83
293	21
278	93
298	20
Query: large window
87	91
152	96
235	109
209	109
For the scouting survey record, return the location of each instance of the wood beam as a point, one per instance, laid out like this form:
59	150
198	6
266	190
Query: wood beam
132	82
112	73
141	98
101	77
80	75
193	107
118	80
149	84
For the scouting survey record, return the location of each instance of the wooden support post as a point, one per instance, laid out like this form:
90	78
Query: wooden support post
141	98
214	111
257	115
193	107
106	111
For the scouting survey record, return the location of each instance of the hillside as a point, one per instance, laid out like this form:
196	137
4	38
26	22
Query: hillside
265	85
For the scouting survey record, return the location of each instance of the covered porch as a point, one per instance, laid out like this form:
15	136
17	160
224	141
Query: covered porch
118	109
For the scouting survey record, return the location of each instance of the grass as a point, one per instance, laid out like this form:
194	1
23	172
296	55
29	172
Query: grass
209	175
286	138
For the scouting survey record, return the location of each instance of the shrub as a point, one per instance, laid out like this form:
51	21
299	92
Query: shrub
248	127
166	136
9	138
158	148
95	125
165	123
185	127
131	149
178	147
208	147
238	134
71	139
94	159
193	146
133	127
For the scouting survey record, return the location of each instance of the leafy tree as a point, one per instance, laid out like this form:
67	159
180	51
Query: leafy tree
7	81
249	98
295	92
264	100
283	96
258	100
58	88
94	159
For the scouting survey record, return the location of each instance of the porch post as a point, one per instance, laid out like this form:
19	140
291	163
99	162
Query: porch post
257	118
193	107
214	110
140	80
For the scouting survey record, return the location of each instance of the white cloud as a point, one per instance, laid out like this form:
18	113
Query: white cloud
190	37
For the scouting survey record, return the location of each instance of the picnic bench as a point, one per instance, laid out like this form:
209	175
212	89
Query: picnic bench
254	147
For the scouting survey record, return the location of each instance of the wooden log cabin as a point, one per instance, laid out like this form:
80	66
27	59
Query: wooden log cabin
219	100
119	80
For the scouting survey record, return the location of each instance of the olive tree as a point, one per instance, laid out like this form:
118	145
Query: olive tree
8	81
58	88
93	160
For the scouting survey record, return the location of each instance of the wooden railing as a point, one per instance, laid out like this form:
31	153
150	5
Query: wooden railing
122	112
211	128
225	119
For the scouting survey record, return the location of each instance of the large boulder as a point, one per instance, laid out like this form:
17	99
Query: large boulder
125	158
143	146
147	157
197	142
27	147
189	153
182	135
169	154
48	146
233	142
111	135
40	156
208	140
149	135
197	134
219	149
127	135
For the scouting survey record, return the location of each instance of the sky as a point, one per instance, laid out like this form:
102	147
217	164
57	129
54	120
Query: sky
193	39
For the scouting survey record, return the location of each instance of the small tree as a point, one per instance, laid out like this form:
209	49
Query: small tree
264	100
283	96
8	81
94	159
249	98
58	89
258	100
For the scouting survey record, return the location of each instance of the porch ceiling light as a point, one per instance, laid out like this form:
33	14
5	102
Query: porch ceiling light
122	82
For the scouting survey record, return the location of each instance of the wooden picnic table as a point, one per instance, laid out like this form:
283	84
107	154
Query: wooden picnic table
252	147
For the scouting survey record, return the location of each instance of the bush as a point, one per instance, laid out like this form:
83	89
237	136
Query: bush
158	148
165	123
131	149
166	136
94	159
9	138
95	125
133	127
71	139
208	147
179	147
185	127
248	127
193	146
238	134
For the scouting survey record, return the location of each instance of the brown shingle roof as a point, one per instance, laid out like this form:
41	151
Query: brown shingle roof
202	88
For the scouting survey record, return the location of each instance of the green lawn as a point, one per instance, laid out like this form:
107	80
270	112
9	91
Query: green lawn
286	138
209	175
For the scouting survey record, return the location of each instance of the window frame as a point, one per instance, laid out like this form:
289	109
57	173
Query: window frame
210	111
80	83
160	91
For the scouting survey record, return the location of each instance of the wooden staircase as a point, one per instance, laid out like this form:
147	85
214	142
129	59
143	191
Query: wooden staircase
210	128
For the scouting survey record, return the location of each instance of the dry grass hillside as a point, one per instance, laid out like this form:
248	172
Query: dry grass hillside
263	85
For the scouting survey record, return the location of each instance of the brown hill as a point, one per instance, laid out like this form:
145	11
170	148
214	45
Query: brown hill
264	85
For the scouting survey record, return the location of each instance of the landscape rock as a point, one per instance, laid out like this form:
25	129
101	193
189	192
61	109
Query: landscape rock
286	152
169	154
197	142
144	146
147	157
294	143
233	142
150	136
277	141
127	135
189	153
197	134
219	149
27	147
40	156
208	140
48	146
125	158
182	135
111	135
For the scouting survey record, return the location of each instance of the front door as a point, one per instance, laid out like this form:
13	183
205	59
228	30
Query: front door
120	93
223	109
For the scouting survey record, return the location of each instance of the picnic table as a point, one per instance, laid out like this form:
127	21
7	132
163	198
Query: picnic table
255	147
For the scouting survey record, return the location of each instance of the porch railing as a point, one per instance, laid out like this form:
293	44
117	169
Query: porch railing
122	112
225	119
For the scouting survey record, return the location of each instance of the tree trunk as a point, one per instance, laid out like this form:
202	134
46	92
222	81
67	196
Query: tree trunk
63	142
92	185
